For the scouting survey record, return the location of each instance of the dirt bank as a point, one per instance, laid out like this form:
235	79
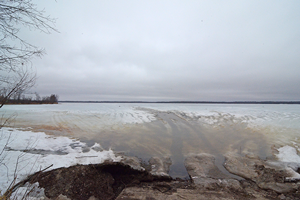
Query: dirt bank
247	178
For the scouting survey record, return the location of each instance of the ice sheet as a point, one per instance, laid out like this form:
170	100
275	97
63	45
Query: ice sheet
288	154
290	160
151	128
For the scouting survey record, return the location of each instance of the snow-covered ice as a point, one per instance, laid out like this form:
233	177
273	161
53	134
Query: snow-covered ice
288	154
289	159
25	152
139	129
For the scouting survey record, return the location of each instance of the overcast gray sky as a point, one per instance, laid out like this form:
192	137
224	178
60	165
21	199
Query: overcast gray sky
170	50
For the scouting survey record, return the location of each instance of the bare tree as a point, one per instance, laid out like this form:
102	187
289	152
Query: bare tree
53	98
16	73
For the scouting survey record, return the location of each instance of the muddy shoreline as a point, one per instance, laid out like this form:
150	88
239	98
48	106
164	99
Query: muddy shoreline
248	177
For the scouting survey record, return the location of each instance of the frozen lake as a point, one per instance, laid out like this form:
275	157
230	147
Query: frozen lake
167	130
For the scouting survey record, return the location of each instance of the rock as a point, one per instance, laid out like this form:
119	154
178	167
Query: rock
204	173
203	165
160	166
265	176
242	166
133	162
277	187
231	184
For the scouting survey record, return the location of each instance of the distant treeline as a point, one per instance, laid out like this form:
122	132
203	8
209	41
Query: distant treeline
22	99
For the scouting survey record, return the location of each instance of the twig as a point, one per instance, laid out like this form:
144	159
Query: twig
11	190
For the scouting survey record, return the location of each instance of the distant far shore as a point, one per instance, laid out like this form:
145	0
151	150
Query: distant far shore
19	100
191	102
31	103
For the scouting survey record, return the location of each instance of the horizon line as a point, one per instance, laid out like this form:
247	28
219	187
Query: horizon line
195	102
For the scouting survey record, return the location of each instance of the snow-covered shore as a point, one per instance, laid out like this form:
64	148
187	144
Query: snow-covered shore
25	152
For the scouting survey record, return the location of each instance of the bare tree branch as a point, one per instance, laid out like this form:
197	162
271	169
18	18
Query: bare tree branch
15	52
16	72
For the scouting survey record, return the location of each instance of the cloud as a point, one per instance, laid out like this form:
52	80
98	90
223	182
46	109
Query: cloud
171	50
